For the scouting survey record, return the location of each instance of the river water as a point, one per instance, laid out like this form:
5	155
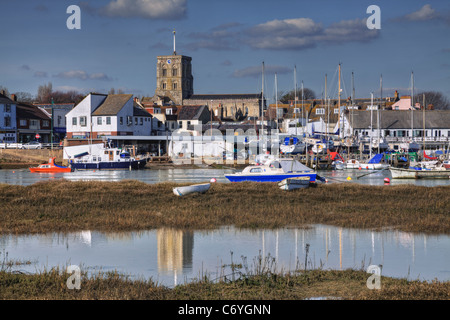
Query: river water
172	257
25	177
175	256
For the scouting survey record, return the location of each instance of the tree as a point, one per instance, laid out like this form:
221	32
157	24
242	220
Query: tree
290	96
47	95
5	90
24	96
44	94
436	98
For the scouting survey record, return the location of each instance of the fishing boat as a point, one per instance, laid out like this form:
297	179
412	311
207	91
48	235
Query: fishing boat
294	183
50	167
418	173
99	157
195	188
274	171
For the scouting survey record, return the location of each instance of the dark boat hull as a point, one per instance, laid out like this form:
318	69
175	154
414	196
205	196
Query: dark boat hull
123	165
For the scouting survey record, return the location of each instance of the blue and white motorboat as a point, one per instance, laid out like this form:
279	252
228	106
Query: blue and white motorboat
274	171
292	145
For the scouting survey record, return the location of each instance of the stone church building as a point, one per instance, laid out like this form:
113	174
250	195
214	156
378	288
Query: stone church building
175	86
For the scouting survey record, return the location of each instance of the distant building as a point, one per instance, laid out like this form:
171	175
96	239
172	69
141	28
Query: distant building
32	123
193	115
8	125
232	107
57	112
99	115
175	87
434	125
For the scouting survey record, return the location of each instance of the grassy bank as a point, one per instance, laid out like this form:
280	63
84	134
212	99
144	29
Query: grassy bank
347	285
64	206
18	158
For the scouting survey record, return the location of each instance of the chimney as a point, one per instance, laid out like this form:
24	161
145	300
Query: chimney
396	96
14	97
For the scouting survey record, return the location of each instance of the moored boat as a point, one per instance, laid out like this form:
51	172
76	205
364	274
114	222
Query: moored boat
419	173
292	145
294	183
274	171
50	167
99	157
195	188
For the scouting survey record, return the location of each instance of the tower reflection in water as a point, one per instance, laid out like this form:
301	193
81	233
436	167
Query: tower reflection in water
174	250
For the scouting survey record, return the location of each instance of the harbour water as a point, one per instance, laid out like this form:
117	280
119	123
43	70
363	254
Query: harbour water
173	257
182	175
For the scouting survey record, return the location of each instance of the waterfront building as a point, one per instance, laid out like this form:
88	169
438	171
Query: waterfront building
57	112
429	127
101	115
32	123
8	125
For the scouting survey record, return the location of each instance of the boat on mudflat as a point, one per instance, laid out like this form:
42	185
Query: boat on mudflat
419	173
294	183
50	167
274	171
195	188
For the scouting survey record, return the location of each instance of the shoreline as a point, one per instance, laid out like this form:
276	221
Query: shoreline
130	205
295	286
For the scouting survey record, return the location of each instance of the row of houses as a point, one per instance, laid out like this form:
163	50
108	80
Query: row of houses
100	116
22	121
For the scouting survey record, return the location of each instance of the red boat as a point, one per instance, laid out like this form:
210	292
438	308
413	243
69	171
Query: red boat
50	167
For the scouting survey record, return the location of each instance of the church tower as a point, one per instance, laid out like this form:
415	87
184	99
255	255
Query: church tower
174	80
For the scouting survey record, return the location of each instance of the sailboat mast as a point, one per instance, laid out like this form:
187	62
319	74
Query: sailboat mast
339	102
412	105
423	136
353	99
378	111
295	97
276	98
326	104
303	108
262	101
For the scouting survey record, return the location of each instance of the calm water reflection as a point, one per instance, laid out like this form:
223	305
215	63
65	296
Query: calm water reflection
173	256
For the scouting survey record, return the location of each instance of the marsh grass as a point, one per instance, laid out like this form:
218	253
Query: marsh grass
64	206
259	281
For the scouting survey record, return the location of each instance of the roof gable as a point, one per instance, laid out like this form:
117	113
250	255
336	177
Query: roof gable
112	104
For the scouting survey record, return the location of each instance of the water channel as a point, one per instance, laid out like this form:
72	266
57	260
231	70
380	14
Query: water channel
172	257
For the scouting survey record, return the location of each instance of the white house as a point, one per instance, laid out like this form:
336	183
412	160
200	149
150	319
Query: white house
100	115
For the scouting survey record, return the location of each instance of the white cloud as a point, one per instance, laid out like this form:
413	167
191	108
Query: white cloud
287	34
425	13
288	27
148	9
304	33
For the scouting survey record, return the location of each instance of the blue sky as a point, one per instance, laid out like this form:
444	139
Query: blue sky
228	40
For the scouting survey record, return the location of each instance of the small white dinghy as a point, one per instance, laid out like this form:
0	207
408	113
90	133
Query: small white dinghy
182	191
294	183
